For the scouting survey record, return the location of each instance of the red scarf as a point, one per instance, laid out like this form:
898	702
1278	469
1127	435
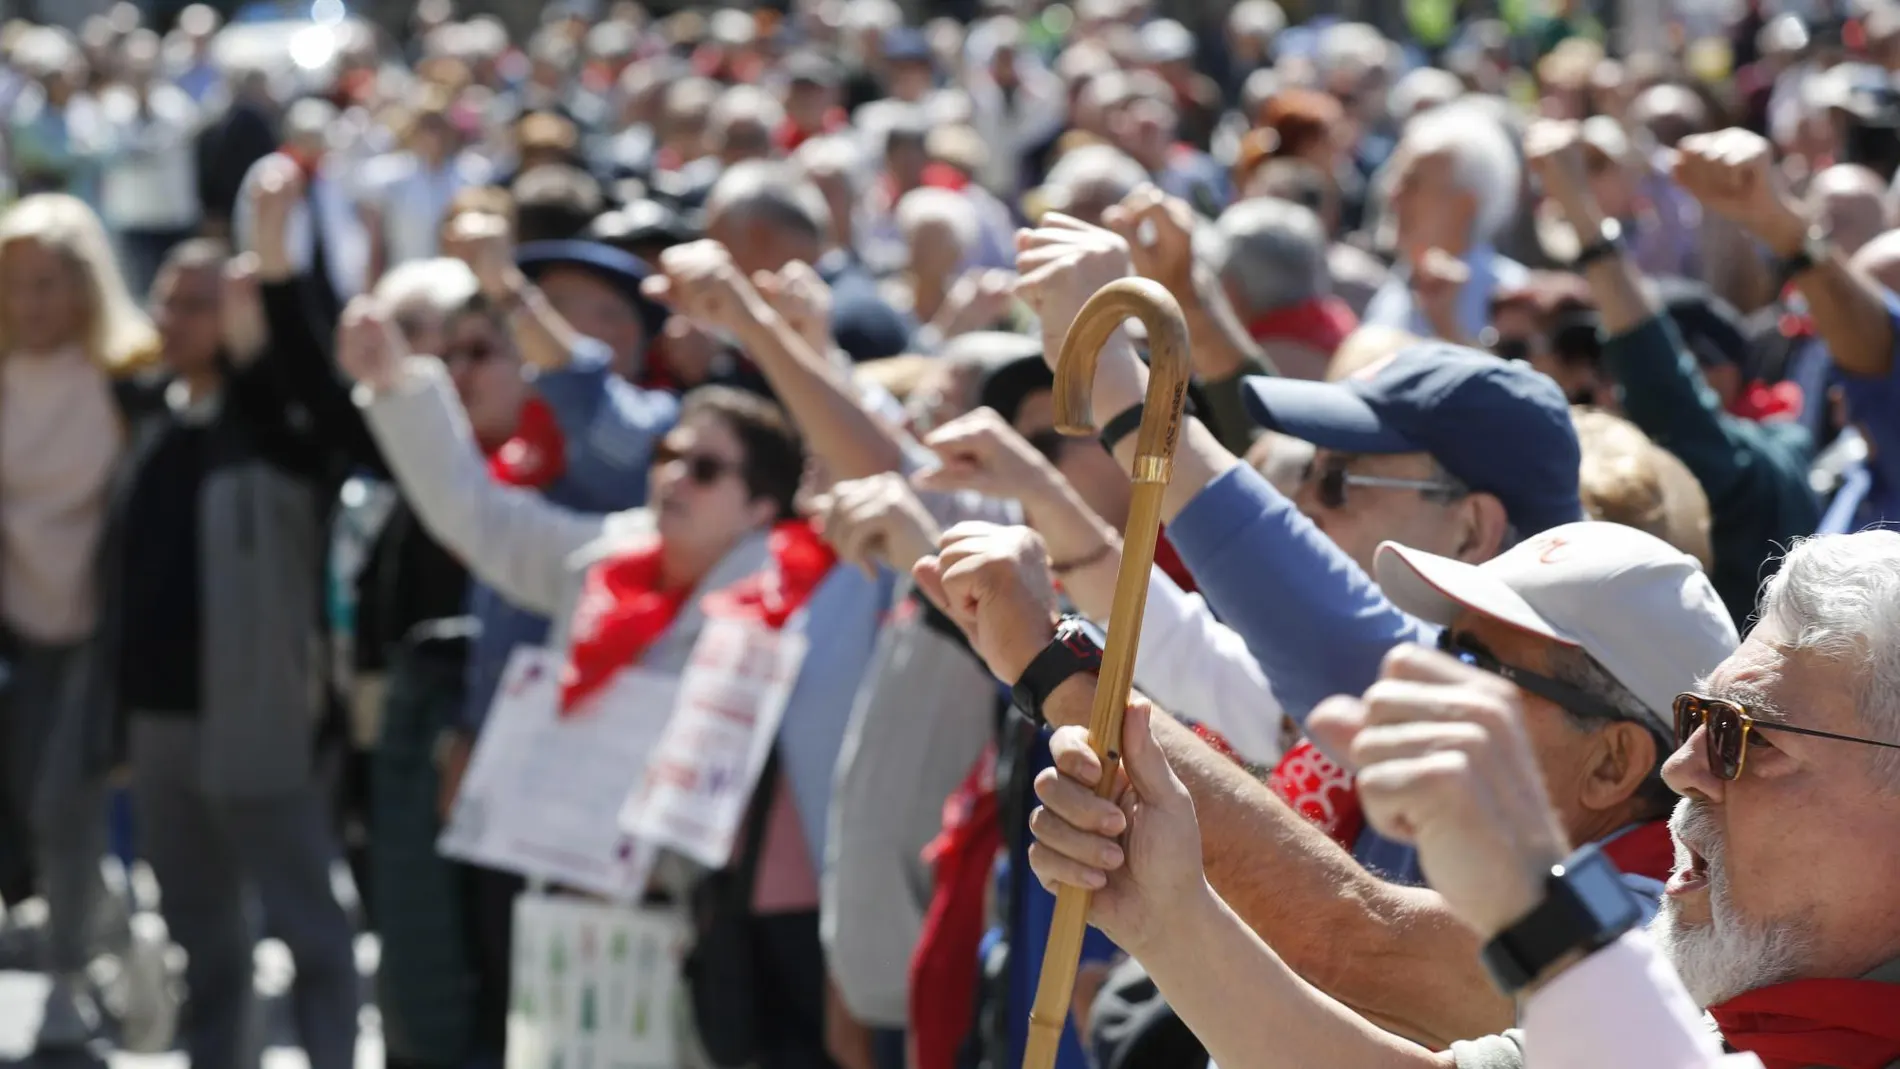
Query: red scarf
622	610
790	135
1322	323
944	968
1843	1024
1172	565
536	454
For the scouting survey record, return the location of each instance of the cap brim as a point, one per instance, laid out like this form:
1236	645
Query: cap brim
1328	414
1436	589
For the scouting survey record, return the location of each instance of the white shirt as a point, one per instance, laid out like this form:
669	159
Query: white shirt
1622	1006
414	200
151	178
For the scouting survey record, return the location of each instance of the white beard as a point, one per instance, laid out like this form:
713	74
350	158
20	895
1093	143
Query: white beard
1730	954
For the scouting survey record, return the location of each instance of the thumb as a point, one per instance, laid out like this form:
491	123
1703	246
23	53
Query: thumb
1333	725
1145	765
928	574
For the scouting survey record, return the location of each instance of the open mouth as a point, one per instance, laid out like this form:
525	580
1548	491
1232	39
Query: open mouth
1691	879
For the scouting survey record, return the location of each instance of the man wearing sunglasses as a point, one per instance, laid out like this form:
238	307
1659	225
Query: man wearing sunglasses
1596	625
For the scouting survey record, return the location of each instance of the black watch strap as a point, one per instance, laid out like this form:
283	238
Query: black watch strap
1128	421
1073	650
1586	906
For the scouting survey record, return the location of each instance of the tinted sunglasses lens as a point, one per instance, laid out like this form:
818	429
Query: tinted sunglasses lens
1727	734
1332	488
704	470
1516	349
1688	718
1049	444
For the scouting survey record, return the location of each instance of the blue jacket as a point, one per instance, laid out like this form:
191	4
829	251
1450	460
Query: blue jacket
609	427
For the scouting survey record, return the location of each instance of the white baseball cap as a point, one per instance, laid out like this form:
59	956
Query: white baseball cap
1637	605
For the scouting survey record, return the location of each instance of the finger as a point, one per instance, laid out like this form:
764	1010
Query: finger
1403	701
1333	724
1381	743
1061	221
966	531
659	288
1073	756
949	477
1077	804
927	573
1071	841
1414	662
1054	870
1147	767
1031	258
1397	793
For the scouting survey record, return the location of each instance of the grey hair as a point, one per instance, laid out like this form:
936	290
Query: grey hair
1838	596
1584	672
1484	161
1096	165
1420	90
773	193
1271	253
834	154
443	283
926	206
746	104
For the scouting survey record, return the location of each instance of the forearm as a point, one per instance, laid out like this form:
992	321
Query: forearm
1221	346
1249	1009
837	429
1851	316
1396	954
545	339
1199	458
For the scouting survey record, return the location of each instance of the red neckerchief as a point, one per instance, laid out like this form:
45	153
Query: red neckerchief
1644	850
1320	790
622	610
1844	1024
1765	402
944	969
535	455
790	135
1172	565
1322	323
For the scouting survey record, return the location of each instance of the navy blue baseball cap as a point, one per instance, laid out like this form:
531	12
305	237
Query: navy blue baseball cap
1497	426
618	268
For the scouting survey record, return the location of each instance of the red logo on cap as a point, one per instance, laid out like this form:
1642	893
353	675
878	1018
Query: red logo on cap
1553	550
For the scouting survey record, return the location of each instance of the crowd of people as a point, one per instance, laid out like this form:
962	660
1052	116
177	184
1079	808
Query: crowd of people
1519	680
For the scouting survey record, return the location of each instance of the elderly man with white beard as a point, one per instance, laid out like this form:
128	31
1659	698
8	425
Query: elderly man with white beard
1780	916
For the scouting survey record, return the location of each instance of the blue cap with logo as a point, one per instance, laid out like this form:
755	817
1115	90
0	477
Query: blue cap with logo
1499	427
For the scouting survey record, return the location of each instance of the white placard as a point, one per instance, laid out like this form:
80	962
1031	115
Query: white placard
594	986
731	699
542	789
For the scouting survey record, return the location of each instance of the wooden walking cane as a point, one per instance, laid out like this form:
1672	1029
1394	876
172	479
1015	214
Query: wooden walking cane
1169	368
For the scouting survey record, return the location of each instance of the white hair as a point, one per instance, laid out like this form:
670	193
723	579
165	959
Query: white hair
1838	596
442	283
834	154
772	192
1271	253
1351	47
1484	161
1096	164
743	104
929	206
1422	89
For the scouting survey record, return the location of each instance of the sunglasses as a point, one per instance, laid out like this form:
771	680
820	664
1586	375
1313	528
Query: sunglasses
703	469
1730	726
475	352
1514	349
1563	695
1332	479
1049	443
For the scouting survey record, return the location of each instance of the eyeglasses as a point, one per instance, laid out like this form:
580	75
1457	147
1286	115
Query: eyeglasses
1514	349
703	469
1730	725
1333	479
1569	698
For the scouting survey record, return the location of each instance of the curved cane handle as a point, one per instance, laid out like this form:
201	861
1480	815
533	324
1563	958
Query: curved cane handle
1104	313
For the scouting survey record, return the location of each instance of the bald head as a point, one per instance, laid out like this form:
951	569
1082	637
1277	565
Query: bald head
1850	202
1669	112
1879	259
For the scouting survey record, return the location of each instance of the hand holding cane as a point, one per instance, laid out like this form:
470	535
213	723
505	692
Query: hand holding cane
1169	369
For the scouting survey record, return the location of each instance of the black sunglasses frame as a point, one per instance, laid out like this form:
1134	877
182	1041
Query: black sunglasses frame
1333	480
701	468
1730	720
1572	700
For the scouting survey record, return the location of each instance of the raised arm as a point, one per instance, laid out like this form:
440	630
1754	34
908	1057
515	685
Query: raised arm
513	538
701	281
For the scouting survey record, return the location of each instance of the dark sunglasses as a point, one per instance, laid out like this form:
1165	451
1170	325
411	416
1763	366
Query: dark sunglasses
1332	479
1730	726
475	352
703	469
1556	691
1515	349
1049	443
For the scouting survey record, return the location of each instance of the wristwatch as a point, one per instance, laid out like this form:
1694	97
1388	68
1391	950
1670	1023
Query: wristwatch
1076	648
1609	242
1586	907
1813	252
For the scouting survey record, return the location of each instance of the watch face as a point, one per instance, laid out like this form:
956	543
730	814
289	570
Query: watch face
1601	890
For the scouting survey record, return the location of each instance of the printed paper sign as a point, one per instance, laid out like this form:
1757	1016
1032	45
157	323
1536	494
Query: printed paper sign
542	790
594	986
731	699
